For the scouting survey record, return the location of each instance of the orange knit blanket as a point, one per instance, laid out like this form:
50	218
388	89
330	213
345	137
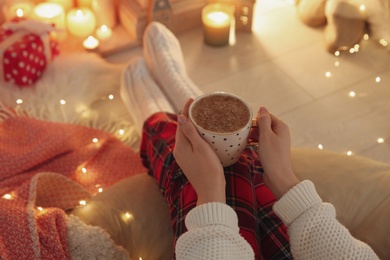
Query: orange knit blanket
46	168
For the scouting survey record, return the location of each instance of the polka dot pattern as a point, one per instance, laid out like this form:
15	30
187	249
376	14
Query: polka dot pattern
25	60
228	147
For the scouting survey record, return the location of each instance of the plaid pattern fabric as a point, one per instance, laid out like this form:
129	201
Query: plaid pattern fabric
245	190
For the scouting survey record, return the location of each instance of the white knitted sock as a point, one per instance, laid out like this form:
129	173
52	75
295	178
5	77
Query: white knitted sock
164	58
140	94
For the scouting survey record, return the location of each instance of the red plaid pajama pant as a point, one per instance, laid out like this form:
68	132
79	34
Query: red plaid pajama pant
245	190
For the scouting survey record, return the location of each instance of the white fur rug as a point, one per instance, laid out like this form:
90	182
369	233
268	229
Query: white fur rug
81	88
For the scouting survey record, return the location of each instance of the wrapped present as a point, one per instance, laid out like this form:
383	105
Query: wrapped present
26	47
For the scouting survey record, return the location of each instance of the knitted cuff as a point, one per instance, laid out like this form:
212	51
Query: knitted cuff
296	201
213	213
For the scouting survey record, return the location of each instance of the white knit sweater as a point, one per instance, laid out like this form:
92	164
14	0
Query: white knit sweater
314	232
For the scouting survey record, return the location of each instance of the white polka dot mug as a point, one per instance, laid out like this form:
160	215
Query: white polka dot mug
224	120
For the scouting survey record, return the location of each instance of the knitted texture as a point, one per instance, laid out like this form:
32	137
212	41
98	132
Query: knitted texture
140	94
47	168
212	234
313	229
164	58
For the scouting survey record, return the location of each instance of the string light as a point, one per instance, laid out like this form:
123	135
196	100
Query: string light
19	101
320	146
100	190
380	140
121	131
62	102
7	196
349	153
84	170
111	96
378	79
366	37
40	208
82	202
337	53
337	63
362	8
328	74
383	42
352	94
95	140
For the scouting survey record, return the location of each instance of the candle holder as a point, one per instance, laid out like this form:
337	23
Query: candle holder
81	22
51	13
217	20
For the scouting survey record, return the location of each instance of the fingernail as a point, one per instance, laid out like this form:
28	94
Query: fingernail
181	119
263	110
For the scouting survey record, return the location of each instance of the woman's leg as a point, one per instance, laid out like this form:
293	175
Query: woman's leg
164	58
245	190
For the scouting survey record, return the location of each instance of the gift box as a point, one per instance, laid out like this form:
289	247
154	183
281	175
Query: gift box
26	48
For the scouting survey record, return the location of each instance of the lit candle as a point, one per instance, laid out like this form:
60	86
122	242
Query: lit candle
91	43
66	4
81	22
17	9
51	13
103	32
217	19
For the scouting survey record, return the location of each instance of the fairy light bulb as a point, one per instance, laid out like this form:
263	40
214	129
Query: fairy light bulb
362	8
121	132
84	170
320	146
352	94
336	63
95	140
62	102
349	153
82	202
366	37
380	140
40	208
337	53
383	42
378	79
19	101
7	196
328	74
100	190
111	97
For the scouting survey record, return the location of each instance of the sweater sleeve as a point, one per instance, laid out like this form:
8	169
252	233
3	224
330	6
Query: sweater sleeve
213	233
313	228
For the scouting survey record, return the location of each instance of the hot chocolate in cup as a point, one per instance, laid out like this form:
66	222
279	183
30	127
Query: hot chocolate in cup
224	120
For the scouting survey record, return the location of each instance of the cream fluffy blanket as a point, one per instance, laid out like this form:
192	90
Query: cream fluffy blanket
79	88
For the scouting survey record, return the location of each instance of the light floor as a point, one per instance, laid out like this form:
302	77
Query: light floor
283	65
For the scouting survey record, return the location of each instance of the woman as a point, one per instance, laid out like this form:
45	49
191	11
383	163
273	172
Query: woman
225	213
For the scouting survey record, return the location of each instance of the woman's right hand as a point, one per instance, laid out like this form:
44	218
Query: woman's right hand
274	153
198	161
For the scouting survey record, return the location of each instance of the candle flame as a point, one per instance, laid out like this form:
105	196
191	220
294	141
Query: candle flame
218	17
79	14
104	28
19	12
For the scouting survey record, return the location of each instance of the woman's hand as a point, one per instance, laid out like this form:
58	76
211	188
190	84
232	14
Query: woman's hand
274	153
198	161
